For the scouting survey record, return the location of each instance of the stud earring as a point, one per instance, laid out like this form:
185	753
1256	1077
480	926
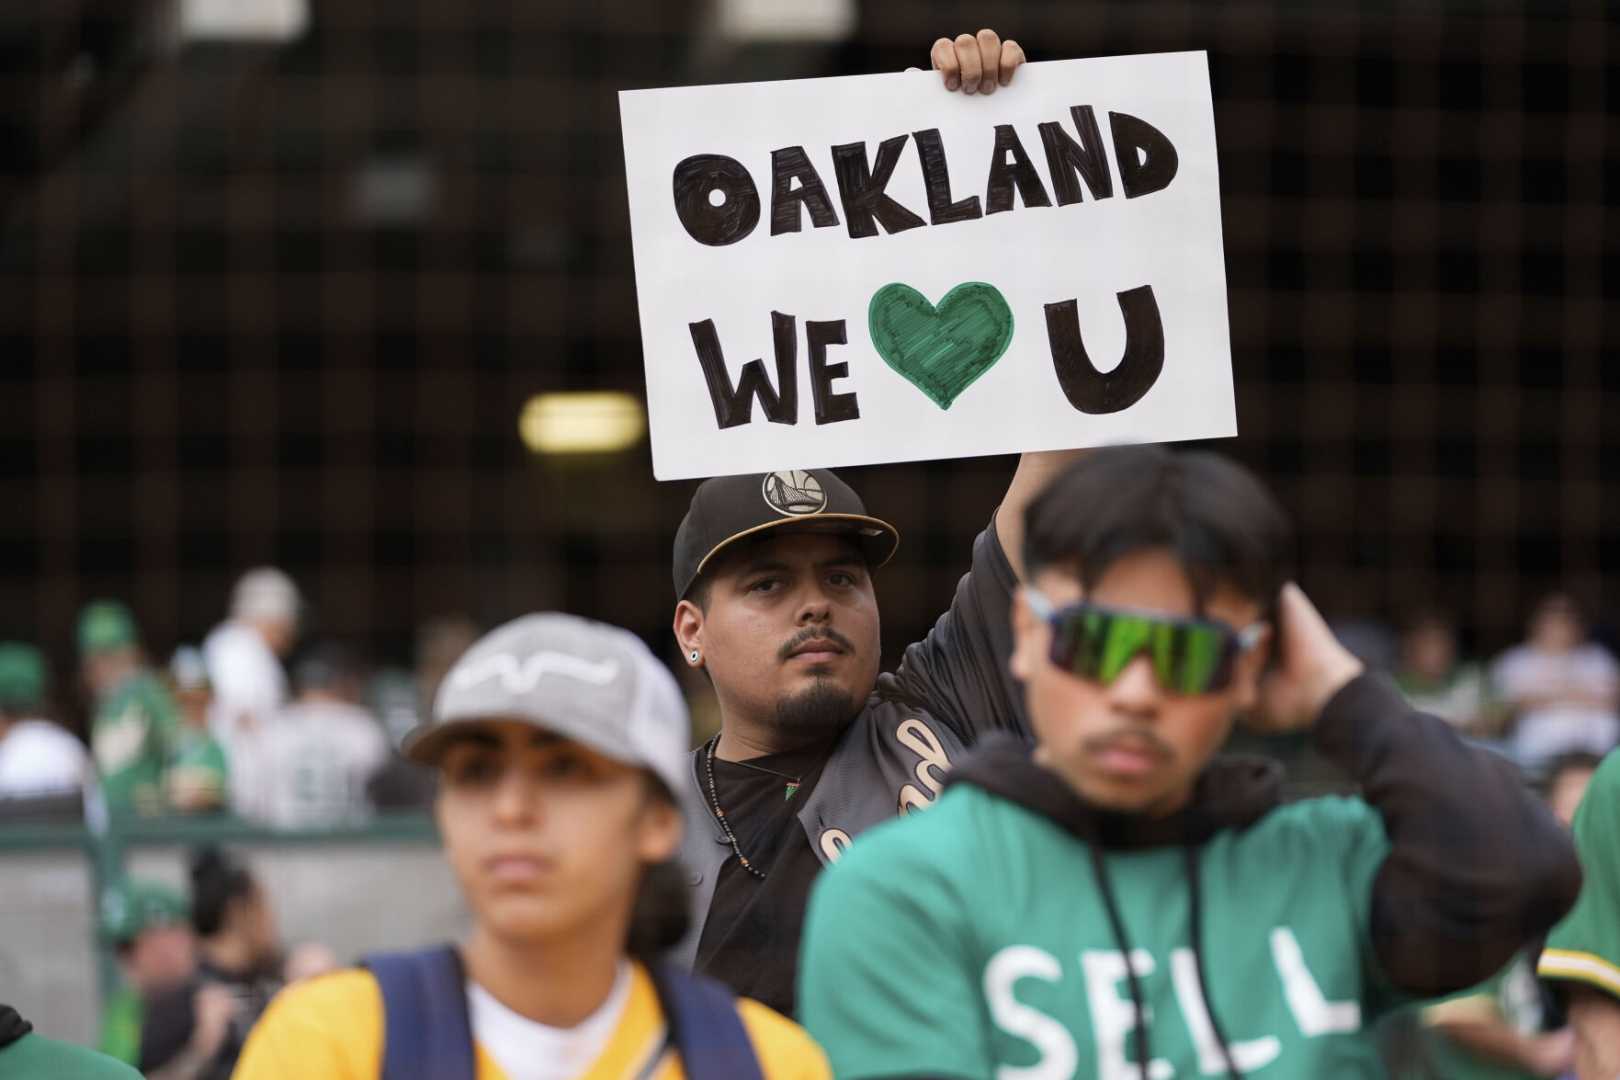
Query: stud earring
694	657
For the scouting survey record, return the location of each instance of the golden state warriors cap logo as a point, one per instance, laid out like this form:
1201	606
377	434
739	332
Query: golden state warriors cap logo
794	493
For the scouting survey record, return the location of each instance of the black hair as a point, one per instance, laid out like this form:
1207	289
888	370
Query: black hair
217	879
1212	514
1572	761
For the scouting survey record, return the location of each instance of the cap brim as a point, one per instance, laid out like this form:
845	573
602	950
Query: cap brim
877	537
426	743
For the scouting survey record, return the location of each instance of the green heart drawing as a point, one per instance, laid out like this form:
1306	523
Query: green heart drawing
940	350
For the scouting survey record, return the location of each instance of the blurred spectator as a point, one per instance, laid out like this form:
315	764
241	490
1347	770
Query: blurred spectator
1581	959
38	759
439	644
1435	681
400	784
1498	1030
314	761
134	719
244	652
1562	690
1511	1027
1371	640
307	960
195	1031
1567	780
198	775
243	655
150	927
391	697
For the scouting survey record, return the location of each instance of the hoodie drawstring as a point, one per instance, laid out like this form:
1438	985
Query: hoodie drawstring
1144	1046
1196	905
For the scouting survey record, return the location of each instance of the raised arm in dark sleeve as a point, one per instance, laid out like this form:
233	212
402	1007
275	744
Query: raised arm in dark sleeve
959	671
1477	866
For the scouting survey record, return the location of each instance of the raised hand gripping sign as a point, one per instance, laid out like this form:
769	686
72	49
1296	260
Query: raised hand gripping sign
868	269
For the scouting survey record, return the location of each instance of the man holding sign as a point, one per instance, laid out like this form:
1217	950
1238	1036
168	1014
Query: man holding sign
773	578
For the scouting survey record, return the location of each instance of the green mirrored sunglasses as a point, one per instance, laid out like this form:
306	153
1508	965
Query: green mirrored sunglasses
1189	656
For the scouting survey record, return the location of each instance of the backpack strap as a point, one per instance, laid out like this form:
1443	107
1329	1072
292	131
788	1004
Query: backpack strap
704	1026
427	1034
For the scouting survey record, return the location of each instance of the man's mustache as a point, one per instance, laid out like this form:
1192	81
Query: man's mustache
1135	738
814	633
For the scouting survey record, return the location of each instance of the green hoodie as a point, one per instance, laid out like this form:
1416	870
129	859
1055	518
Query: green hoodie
987	936
134	736
1022	972
26	1056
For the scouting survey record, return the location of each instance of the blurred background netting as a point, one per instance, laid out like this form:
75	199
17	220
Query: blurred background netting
278	281
345	287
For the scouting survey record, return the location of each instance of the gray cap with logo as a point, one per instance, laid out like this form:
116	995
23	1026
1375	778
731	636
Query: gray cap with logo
583	680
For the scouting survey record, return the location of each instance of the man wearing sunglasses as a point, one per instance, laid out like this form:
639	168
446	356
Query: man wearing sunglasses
1116	901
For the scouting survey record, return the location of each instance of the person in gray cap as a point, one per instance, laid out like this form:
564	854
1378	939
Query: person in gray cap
559	743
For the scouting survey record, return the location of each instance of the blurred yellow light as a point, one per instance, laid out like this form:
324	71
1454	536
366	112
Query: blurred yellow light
596	422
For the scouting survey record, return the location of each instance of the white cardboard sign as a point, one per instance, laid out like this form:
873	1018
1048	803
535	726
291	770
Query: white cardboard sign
869	269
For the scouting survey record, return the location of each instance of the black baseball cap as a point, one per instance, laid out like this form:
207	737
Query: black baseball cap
731	508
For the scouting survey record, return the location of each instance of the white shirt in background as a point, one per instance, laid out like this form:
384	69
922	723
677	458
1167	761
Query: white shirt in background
311	765
526	1050
249	689
38	758
247	678
1543	732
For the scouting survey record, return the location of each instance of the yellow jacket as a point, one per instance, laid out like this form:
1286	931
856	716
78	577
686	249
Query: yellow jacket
332	1027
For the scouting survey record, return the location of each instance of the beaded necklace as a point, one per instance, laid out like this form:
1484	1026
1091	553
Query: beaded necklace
720	814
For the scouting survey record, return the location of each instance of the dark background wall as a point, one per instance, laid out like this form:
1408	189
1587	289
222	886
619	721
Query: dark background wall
284	305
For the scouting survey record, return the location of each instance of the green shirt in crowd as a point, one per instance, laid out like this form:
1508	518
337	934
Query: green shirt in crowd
1513	997
198	774
27	1056
970	941
1585	947
134	737
121	1026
